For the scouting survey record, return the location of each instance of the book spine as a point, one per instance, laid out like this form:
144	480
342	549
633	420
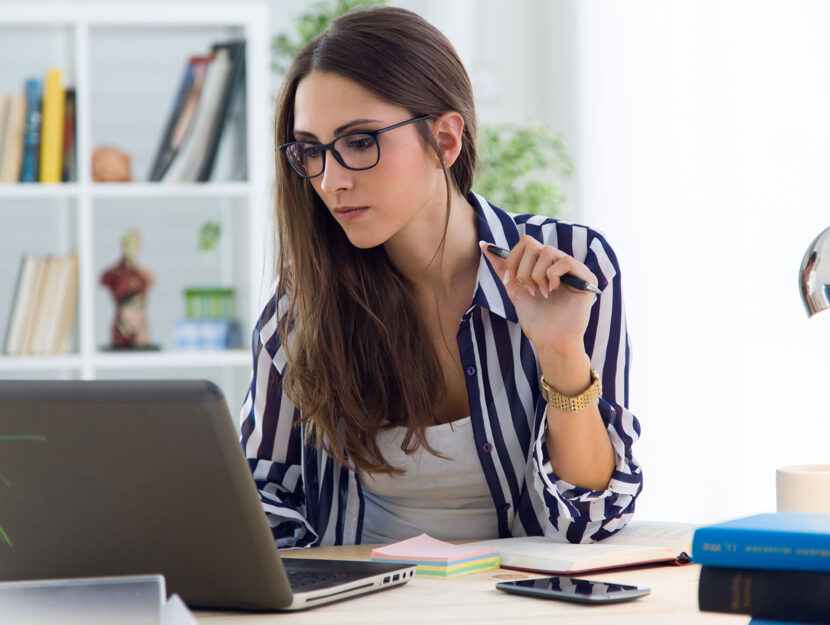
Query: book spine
761	549
33	304
13	148
183	130
21	306
792	595
188	161
5	105
69	304
234	87
31	132
165	148
51	140
69	171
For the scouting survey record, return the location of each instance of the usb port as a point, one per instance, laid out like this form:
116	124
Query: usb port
396	577
386	580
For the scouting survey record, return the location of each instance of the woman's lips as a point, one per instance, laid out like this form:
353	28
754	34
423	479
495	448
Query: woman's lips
348	213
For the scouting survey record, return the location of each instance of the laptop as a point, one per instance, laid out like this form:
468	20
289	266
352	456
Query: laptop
104	478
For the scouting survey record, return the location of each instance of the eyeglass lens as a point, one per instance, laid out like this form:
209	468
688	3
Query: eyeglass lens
355	151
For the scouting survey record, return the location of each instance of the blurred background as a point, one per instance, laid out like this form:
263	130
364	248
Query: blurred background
694	134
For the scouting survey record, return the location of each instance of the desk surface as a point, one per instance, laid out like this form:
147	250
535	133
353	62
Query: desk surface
474	599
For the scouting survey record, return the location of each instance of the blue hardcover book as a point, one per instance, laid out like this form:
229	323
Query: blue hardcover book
794	541
766	621
31	133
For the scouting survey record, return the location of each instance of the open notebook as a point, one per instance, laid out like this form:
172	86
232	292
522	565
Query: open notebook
641	542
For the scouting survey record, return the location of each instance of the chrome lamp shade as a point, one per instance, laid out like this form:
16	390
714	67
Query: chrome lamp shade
814	275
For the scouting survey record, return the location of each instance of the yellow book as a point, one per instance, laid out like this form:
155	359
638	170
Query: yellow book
52	120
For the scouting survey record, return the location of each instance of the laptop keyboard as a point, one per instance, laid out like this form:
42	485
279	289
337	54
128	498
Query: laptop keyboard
309	580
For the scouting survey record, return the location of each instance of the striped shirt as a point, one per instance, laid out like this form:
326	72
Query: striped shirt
311	499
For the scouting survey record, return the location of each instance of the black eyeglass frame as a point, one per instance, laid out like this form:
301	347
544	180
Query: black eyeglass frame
330	146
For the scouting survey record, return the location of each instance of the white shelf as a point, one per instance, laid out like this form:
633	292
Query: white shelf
21	364
71	38
133	361
172	360
36	190
125	190
162	190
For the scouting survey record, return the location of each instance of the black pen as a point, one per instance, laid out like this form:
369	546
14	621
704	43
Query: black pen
569	279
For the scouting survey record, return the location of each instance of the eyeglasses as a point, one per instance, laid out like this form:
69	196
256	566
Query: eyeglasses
356	151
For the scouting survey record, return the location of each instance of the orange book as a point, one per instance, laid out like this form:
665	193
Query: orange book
51	136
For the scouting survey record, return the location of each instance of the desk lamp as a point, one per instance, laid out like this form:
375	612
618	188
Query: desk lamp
814	275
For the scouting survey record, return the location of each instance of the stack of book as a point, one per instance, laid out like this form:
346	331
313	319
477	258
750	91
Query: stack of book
770	566
437	558
37	132
209	100
44	304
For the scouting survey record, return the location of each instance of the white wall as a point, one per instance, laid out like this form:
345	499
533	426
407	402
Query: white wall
702	152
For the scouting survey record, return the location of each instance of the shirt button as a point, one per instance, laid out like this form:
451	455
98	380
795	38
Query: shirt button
506	507
486	448
471	370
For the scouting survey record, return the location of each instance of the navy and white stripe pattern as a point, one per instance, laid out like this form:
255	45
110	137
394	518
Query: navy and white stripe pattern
310	499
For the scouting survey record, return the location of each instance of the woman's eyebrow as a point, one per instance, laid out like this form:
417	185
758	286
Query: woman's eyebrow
337	131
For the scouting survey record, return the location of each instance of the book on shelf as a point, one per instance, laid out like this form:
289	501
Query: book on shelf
801	596
52	124
187	162
204	109
178	121
639	543
69	168
44	305
31	133
11	139
5	103
233	93
796	541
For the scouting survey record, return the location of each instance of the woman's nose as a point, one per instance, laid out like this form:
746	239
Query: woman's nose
335	177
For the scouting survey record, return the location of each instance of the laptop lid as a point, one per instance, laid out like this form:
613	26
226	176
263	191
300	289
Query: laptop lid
134	477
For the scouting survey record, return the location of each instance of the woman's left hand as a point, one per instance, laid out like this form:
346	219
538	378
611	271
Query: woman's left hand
553	315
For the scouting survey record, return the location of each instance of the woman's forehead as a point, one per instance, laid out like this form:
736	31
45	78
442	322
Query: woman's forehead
326	101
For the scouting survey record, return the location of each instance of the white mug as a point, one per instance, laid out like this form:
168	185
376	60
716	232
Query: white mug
803	488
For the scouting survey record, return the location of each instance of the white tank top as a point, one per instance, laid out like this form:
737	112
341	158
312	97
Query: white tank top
447	499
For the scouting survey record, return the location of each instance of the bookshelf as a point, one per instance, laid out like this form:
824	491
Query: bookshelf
125	60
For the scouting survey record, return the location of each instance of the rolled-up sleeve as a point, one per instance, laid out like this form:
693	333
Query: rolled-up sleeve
580	514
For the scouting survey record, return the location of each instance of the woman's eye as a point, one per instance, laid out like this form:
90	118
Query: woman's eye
360	144
311	151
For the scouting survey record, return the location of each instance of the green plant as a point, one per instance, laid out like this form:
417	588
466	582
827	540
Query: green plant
284	47
209	236
520	168
4	537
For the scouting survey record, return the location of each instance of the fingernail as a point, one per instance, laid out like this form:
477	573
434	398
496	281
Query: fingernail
506	278
531	290
544	294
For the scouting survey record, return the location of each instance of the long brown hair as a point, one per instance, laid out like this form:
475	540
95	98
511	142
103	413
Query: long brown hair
358	357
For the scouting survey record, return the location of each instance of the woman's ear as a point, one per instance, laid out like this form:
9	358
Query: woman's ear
448	130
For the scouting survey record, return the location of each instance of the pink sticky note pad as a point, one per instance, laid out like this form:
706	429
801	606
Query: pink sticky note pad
425	548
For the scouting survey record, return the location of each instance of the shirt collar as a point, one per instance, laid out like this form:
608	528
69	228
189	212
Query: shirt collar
498	227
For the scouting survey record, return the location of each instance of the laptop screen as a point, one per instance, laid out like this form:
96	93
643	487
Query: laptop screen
133	477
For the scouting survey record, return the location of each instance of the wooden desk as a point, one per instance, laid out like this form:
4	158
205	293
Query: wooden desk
473	599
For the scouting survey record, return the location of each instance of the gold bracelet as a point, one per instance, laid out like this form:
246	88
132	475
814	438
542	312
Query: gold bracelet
576	403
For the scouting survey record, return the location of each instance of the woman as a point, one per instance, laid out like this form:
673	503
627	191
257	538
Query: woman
397	384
